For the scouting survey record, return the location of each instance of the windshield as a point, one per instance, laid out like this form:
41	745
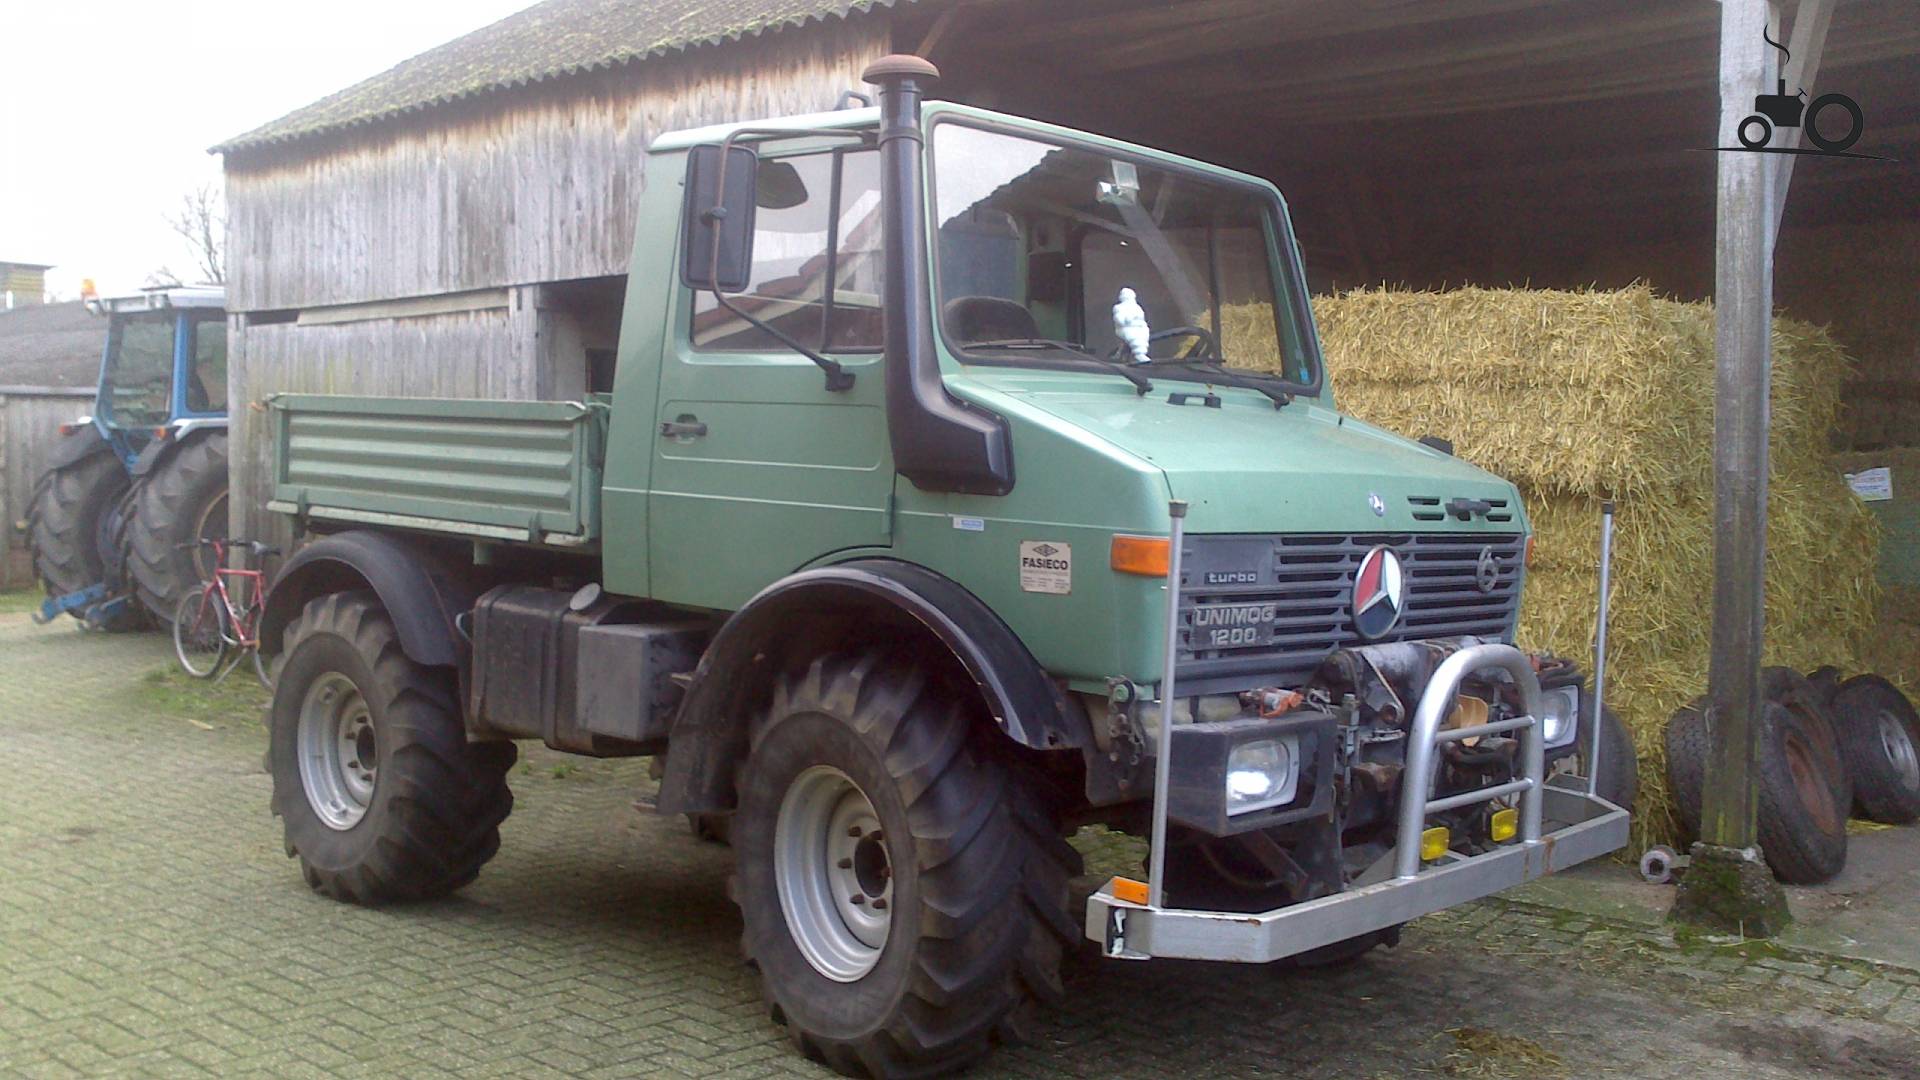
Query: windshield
1049	252
139	370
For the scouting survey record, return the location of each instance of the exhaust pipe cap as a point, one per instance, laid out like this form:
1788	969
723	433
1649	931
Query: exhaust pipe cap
899	66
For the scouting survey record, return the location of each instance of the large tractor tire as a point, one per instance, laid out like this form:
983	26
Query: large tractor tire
381	796
904	891
181	501
74	523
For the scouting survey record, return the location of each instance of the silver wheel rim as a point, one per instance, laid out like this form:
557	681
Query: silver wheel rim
338	755
1899	747
831	867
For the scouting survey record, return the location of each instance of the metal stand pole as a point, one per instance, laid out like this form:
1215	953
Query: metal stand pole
1600	649
1162	757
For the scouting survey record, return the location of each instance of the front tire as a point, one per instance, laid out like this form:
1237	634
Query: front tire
201	634
904	893
381	795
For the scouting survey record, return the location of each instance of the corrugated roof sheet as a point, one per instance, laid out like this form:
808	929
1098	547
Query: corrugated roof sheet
549	40
51	345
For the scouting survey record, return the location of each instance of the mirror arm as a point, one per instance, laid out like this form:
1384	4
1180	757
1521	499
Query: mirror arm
838	377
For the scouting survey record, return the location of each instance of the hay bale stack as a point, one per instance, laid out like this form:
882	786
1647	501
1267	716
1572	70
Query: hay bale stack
1583	396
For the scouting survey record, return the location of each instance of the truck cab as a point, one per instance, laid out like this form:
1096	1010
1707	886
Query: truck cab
966	479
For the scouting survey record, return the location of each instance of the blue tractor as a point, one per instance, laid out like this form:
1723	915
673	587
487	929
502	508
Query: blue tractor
129	490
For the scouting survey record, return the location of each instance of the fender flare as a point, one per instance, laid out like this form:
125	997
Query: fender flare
710	730
158	451
83	443
415	586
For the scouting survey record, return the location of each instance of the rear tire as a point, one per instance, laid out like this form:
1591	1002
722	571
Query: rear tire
1803	698
184	501
72	524
968	862
1619	779
381	795
1880	743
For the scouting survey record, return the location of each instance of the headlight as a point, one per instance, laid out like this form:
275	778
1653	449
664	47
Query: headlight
1561	719
1261	774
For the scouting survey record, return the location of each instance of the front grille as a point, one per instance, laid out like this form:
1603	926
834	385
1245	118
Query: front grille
1268	609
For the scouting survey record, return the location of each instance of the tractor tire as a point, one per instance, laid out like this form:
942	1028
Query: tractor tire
867	791
73	523
1803	828
184	500
1880	743
381	796
1804	698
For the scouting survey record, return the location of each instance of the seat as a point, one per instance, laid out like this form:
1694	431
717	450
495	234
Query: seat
989	318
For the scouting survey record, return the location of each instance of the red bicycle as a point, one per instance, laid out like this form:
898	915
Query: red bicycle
210	624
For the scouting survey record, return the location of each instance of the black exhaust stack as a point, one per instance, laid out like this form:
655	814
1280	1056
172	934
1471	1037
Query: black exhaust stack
939	442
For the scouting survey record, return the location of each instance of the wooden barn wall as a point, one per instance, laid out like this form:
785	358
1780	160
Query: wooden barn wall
536	184
514	189
30	418
471	354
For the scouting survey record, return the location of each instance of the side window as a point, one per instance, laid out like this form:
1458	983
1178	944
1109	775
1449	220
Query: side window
816	263
207	389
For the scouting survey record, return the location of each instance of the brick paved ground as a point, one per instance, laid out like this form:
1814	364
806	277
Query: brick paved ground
150	926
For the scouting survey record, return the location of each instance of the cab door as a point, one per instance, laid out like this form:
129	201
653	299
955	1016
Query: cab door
758	468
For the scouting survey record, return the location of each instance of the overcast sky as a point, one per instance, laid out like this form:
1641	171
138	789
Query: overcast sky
110	107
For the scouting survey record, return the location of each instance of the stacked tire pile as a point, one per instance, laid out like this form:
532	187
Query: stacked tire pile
92	523
1829	749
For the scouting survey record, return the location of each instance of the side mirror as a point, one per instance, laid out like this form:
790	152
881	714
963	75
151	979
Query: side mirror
717	251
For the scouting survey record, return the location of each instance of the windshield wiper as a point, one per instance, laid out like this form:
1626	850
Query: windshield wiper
1258	384
1140	382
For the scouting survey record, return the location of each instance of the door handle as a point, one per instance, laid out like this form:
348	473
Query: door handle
685	428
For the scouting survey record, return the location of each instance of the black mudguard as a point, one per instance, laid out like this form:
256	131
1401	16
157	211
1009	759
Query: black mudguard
422	591
710	732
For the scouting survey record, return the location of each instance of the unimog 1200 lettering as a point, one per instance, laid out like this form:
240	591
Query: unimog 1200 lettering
965	480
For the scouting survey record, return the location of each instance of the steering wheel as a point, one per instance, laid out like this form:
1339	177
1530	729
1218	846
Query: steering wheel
1208	347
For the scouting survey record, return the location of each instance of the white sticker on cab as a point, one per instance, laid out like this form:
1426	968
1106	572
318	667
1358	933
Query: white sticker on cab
1046	567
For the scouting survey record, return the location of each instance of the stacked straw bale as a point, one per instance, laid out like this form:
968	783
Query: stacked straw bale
1578	397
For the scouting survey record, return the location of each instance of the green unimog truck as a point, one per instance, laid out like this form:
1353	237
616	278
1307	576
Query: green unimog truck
966	480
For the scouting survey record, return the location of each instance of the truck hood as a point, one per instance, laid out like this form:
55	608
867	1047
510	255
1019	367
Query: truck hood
1246	467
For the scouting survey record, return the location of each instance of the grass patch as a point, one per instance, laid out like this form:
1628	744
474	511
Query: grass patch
20	601
169	690
1480	1052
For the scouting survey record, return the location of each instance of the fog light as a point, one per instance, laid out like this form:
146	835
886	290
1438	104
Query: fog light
1505	823
1434	843
1560	715
1262	773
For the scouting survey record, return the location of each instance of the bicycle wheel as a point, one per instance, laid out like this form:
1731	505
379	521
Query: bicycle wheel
200	633
261	669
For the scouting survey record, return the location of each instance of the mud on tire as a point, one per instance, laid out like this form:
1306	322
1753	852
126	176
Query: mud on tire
183	500
432	804
975	871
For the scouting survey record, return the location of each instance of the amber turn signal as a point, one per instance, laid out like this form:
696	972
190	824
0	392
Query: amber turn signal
1504	825
1147	556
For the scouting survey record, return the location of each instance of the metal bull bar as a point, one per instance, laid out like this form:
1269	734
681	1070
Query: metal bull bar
1585	826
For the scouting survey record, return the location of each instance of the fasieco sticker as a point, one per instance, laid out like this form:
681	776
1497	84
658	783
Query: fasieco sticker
1046	567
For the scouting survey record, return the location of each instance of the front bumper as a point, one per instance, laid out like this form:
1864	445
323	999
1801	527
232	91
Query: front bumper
1562	823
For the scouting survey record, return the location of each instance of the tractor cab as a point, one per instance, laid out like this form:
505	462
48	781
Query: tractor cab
165	365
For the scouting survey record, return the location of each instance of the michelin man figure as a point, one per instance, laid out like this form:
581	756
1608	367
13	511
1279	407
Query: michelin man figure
1130	325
